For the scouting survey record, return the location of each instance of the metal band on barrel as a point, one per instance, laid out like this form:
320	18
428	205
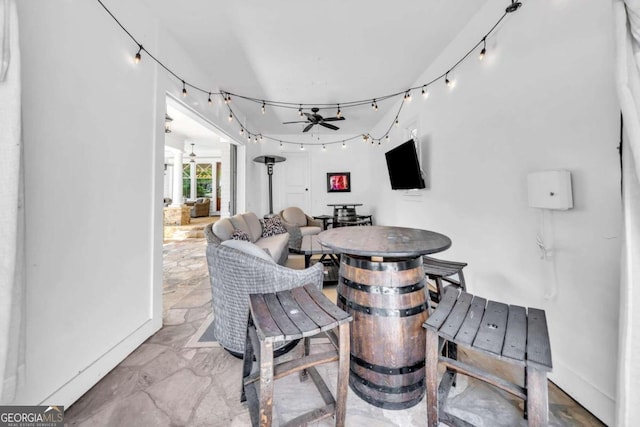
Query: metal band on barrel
386	369
383	312
397	265
383	290
387	389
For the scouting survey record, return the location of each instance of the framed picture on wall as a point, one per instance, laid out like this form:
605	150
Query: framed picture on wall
338	182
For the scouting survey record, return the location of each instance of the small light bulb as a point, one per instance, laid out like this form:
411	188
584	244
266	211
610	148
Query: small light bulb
425	92
209	100
255	139
184	89
300	111
227	99
248	137
386	137
397	123
281	146
263	107
230	117
374	105
241	131
339	113
261	139
344	145
482	53
138	57
408	96
301	147
324	148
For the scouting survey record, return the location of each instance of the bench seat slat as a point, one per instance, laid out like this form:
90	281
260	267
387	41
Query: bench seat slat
266	327
538	346
330	308
490	335
515	339
288	330
297	314
315	313
451	326
469	328
437	318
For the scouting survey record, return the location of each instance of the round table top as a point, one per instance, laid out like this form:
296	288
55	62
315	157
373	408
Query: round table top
384	241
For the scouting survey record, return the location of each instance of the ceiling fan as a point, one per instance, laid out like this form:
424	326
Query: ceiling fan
314	118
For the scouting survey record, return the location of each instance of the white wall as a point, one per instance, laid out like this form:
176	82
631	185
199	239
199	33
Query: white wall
543	98
93	198
333	159
93	125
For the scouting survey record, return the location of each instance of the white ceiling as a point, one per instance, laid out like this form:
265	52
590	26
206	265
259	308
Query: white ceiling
312	52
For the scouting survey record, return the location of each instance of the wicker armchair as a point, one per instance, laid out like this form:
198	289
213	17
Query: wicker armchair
299	224
234	275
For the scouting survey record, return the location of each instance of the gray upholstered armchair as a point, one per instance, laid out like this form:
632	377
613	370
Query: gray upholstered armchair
235	274
299	224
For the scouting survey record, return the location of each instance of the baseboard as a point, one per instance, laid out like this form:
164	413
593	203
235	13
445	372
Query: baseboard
600	404
73	389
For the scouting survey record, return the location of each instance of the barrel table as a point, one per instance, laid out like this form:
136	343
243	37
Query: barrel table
382	285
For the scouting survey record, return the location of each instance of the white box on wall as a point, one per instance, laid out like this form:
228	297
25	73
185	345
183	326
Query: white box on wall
550	189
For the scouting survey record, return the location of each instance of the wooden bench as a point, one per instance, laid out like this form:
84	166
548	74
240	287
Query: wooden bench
288	315
509	333
440	271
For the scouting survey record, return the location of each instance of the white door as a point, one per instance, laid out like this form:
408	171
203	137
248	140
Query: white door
297	184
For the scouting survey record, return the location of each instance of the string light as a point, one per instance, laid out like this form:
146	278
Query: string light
138	57
344	144
450	83
386	137
324	148
263	108
301	147
514	6
397	122
281	146
261	139
241	131
484	49
425	92
248	136
374	105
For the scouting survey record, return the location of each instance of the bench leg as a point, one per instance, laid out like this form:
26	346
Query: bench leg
537	398
247	360
266	383
306	350
343	374
431	371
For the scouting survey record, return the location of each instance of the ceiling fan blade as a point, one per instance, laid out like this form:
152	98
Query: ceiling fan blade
309	115
332	127
301	121
306	129
333	119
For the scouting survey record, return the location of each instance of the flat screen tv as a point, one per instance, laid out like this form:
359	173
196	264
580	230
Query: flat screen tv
404	167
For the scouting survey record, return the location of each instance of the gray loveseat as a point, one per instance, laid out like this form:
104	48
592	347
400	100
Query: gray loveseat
222	230
238	269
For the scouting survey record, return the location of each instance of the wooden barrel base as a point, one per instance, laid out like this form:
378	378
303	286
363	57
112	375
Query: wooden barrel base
388	303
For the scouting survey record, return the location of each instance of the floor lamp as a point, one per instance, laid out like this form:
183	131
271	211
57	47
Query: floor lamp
270	161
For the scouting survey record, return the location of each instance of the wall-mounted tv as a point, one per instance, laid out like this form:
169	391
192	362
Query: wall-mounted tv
404	167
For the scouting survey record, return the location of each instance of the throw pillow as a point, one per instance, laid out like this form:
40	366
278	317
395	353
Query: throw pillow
272	226
240	235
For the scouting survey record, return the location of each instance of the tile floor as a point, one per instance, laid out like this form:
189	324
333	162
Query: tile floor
167	383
